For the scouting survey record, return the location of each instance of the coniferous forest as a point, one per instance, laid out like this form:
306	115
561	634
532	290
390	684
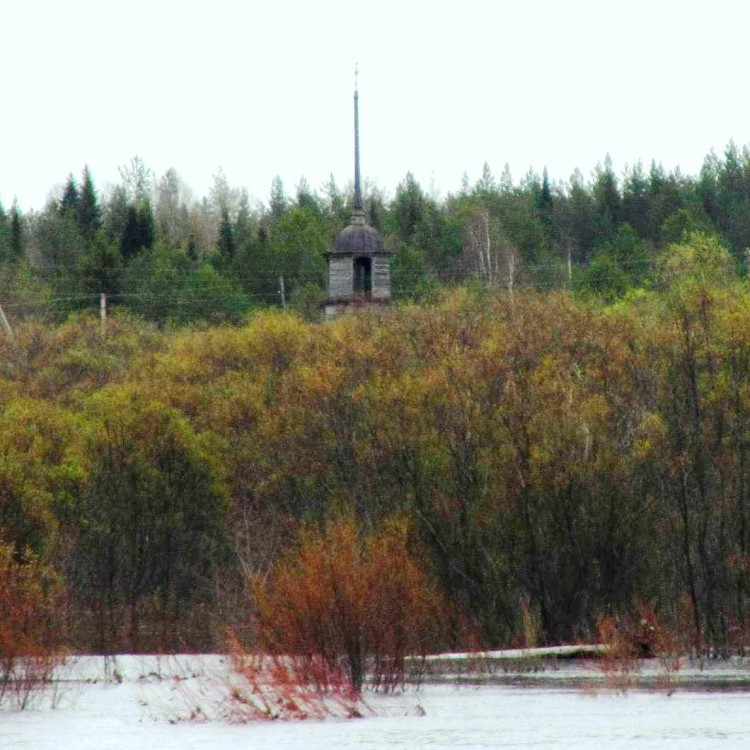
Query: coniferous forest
550	426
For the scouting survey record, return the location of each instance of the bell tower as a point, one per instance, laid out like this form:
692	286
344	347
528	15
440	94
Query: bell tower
359	272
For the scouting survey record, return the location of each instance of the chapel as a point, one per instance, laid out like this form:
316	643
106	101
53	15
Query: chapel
359	273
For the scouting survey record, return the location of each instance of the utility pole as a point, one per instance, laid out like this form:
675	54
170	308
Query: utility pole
6	325
103	311
570	264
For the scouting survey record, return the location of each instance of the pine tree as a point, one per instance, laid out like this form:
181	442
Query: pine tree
305	196
279	200
243	221
486	185
707	187
607	192
409	207
635	199
335	204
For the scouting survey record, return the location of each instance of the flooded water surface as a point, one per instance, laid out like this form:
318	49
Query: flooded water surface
132	714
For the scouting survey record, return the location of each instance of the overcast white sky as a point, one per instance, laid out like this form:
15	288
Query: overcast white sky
264	88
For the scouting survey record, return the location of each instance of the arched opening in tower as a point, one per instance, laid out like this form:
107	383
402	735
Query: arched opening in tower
363	277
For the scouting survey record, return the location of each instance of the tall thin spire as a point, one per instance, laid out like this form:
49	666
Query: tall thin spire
357	184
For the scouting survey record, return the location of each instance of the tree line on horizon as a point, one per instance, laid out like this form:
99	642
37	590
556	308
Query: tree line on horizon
156	250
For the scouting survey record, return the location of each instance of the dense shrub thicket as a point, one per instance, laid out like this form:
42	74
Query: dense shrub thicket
345	604
555	460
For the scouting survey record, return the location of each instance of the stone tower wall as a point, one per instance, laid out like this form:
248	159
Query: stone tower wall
381	277
340	278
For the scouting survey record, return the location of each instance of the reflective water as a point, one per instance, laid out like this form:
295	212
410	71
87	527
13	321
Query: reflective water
114	717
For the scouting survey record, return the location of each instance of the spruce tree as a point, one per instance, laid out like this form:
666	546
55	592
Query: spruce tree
608	199
16	232
146	225
138	233
226	243
89	215
635	199
71	198
545	195
5	252
543	200
243	221
129	241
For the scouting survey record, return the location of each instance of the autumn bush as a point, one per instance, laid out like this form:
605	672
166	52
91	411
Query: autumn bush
274	686
347	604
644	634
30	598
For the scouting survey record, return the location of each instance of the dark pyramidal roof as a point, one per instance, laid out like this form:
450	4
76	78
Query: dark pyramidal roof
359	238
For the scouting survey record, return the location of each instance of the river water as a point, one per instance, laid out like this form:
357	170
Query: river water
119	716
513	717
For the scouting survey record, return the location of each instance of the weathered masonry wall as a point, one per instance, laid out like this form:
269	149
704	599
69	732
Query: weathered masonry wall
340	278
381	277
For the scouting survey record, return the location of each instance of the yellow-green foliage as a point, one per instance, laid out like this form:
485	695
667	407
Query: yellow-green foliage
552	455
41	470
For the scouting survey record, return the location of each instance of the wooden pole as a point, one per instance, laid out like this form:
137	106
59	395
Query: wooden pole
282	291
103	310
6	325
570	265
